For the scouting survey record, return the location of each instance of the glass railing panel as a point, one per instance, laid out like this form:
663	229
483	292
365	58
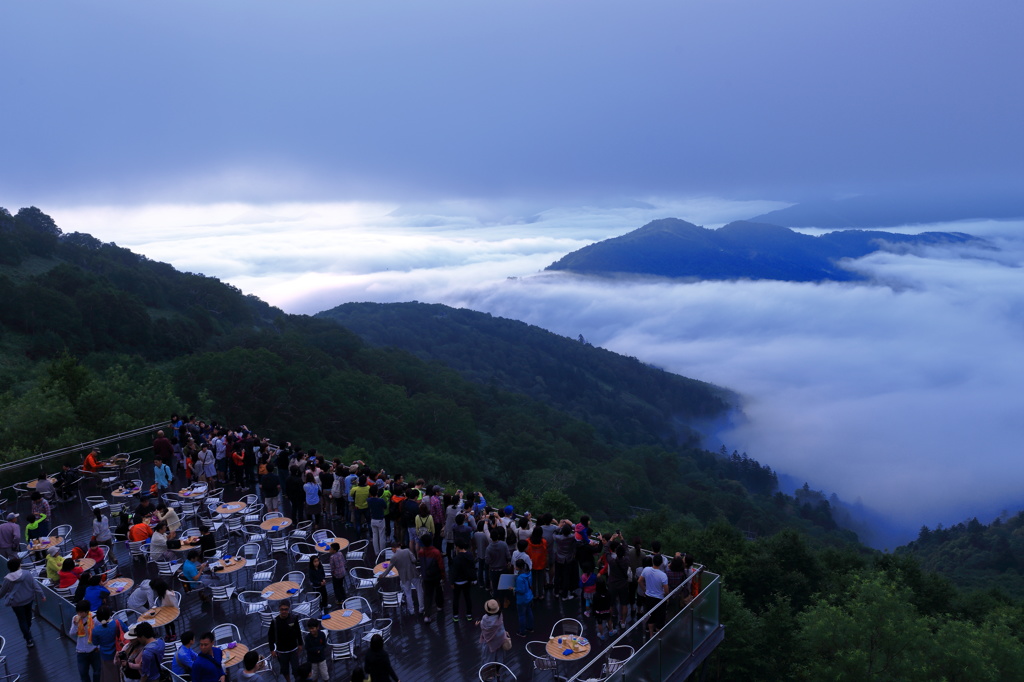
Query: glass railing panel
706	610
676	641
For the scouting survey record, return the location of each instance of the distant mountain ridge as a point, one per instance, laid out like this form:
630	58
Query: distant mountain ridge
671	247
620	396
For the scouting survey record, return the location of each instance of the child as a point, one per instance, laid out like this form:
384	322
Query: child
588	581
524	598
95	552
316	650
602	607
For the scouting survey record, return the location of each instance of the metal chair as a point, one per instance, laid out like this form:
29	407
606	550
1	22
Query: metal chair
567	626
273	515
343	651
363	577
384	555
390	600
137	550
380	626
279	545
222	593
541	660
225	633
301	553
264	572
250	550
495	672
356	550
296	577
127	616
302	530
253	513
362	606
617	657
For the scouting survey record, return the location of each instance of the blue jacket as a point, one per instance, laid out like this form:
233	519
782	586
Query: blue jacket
524	593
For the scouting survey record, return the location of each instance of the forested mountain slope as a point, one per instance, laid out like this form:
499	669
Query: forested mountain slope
624	399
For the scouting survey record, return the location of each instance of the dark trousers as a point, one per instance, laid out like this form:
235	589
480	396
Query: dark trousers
339	589
462	590
87	662
24	614
433	596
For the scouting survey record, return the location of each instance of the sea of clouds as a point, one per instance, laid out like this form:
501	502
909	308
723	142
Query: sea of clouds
903	393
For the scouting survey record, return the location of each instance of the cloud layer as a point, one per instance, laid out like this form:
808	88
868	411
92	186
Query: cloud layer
903	394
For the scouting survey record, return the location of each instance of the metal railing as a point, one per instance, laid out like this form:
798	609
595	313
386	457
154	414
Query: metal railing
661	657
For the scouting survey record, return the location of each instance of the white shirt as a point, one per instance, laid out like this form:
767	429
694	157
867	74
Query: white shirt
654	582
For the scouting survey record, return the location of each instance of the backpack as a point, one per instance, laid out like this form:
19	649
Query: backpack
410	508
431	571
395	509
119	640
338	487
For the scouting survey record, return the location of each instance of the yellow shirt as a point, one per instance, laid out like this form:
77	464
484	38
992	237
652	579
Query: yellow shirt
360	493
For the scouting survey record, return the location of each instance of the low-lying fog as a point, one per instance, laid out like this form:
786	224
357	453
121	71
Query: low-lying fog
904	393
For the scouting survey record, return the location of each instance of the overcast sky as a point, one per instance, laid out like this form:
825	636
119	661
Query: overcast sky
317	153
129	102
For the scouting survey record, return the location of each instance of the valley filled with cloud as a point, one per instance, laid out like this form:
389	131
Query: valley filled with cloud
902	393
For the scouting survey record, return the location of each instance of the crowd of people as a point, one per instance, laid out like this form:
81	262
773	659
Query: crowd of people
441	544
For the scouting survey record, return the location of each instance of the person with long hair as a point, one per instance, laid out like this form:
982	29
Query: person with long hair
377	663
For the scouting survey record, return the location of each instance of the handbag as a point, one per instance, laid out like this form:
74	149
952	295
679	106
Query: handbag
507	644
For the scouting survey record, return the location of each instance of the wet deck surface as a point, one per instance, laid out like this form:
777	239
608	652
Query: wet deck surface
442	650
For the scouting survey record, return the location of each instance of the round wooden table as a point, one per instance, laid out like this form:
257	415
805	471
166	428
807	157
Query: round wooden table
126	492
231	507
31	485
279	591
339	622
579	645
190	494
236	563
85	563
281	523
379	569
233	656
119	586
325	545
191	542
160	616
42	544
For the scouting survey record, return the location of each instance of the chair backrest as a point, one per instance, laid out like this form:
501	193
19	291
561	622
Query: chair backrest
359	604
617	657
342	651
273	515
250	550
495	672
278	545
567	626
295	577
226	632
264	571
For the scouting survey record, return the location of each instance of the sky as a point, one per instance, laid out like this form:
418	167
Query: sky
568	101
314	153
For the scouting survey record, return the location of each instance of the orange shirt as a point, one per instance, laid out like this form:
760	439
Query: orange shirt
140	531
91	463
538	554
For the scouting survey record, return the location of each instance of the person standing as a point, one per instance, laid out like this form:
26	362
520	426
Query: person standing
404	561
20	589
338	573
316	651
463	571
653	583
104	636
376	506
10	537
377	663
162	475
493	637
285	639
87	653
524	598
163	449
432	565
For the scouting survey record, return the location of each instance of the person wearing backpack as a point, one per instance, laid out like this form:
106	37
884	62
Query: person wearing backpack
432	566
108	635
424	526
